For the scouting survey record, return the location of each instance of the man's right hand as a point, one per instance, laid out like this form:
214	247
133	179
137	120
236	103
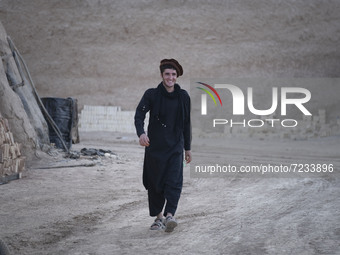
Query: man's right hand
144	140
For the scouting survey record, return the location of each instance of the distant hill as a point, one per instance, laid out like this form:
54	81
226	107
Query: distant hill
107	52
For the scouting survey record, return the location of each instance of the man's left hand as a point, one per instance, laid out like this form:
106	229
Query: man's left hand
188	157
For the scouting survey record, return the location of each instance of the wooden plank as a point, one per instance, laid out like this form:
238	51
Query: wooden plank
5	151
11	138
4	124
17	149
19	164
2	137
1	169
7	138
2	132
12	152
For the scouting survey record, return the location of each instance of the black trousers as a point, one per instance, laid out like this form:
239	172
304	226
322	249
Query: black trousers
169	196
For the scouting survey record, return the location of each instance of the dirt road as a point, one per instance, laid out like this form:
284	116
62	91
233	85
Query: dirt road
102	209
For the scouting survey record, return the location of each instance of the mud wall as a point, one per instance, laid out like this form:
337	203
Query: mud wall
12	108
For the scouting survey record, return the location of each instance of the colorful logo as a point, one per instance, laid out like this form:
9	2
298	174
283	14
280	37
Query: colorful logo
204	96
209	93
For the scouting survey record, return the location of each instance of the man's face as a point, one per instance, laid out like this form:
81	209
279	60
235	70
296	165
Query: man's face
169	77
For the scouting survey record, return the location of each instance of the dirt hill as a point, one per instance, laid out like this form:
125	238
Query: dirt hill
107	52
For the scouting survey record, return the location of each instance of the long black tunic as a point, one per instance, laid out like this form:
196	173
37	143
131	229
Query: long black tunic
169	131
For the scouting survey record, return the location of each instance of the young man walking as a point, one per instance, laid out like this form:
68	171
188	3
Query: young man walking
167	137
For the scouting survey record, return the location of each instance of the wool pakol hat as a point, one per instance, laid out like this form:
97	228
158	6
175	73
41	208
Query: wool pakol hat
174	63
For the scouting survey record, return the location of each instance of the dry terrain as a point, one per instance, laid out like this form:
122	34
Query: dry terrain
105	52
61	208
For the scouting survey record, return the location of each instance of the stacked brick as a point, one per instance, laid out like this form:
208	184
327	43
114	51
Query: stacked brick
107	118
12	163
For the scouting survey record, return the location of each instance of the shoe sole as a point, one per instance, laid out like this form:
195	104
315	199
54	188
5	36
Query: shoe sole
170	226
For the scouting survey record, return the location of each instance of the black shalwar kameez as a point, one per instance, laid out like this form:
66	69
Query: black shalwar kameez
169	131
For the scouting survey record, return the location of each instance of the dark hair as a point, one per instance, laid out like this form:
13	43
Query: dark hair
167	66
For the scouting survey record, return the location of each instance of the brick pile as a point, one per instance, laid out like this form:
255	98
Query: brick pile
107	118
12	163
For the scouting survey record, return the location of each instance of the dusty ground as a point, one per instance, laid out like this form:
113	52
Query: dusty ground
107	53
103	209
